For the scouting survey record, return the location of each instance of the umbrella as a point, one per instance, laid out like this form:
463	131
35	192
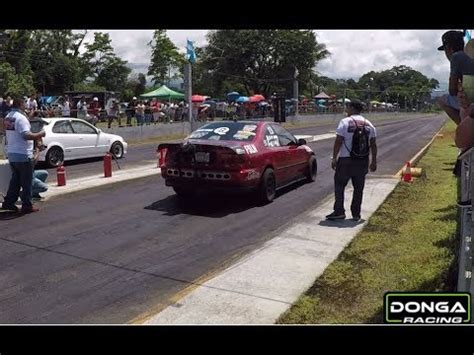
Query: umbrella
232	96
257	98
197	98
243	99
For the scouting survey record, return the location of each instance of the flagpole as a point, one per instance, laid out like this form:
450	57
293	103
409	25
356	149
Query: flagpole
188	83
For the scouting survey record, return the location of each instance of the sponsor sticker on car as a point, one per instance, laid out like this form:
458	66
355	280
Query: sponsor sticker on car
250	149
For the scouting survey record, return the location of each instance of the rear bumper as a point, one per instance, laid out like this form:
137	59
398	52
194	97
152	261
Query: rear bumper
247	179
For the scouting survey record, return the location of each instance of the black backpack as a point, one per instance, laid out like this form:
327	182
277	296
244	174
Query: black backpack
360	142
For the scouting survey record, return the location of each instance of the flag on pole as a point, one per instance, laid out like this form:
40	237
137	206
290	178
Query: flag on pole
190	51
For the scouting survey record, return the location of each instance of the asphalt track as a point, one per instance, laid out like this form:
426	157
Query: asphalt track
121	252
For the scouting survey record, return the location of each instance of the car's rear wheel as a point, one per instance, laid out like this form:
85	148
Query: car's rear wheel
312	169
183	191
117	150
55	157
267	186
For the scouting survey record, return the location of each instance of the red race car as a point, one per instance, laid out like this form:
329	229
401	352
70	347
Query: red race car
251	155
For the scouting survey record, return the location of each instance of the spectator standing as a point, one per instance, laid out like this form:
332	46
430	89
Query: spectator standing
66	108
349	162
130	111
31	105
140	113
114	113
20	155
460	64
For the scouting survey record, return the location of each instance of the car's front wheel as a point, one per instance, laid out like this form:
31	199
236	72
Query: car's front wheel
55	157
117	150
268	186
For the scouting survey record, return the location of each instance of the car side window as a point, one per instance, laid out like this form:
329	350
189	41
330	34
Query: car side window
285	137
270	139
62	127
82	128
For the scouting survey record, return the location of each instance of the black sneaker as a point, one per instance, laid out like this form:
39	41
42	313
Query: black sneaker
335	215
11	208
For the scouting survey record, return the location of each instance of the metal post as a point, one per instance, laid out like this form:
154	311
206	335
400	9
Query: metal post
188	92
295	92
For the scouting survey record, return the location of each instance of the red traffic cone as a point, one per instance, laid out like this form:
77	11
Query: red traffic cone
407	174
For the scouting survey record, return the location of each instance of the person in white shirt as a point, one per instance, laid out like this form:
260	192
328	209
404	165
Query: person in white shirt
20	156
31	105
349	163
66	108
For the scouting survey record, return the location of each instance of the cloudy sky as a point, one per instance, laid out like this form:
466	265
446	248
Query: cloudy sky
353	52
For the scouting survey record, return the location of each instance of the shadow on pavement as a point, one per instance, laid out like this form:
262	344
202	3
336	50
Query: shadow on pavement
344	223
206	205
215	205
8	215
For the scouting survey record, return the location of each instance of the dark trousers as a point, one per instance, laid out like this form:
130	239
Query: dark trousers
22	177
350	169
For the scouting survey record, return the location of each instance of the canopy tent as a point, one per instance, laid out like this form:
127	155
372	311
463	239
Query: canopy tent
322	95
163	92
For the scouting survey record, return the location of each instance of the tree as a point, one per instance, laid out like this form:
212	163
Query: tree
103	66
165	58
55	60
260	60
400	83
14	84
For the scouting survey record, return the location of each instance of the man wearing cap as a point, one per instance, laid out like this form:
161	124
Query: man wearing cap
460	64
130	111
94	110
347	165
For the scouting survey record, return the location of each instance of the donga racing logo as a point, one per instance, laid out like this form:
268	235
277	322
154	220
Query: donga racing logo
427	308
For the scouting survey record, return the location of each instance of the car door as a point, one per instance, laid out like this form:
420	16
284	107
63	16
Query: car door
64	135
88	139
276	154
295	156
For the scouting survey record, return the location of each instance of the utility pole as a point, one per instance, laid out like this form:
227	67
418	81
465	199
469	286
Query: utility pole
188	91
295	92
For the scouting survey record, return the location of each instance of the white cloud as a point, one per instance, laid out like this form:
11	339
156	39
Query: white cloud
353	52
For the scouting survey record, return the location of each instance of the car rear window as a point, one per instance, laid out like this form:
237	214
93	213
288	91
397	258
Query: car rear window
226	131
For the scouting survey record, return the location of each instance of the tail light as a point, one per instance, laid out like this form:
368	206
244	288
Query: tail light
161	155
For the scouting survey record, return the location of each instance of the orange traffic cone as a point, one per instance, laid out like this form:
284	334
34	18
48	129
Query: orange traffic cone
407	173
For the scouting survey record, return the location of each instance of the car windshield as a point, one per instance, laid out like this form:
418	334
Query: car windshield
226	131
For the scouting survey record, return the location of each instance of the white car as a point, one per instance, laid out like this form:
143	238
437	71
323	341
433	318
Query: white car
71	138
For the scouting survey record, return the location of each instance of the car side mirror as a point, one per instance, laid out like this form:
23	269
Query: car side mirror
301	141
99	131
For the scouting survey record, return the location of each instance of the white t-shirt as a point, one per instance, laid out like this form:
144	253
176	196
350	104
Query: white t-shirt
346	129
16	124
31	104
66	109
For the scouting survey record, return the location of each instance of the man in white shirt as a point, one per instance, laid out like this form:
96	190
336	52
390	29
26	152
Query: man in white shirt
66	108
349	162
31	105
20	156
